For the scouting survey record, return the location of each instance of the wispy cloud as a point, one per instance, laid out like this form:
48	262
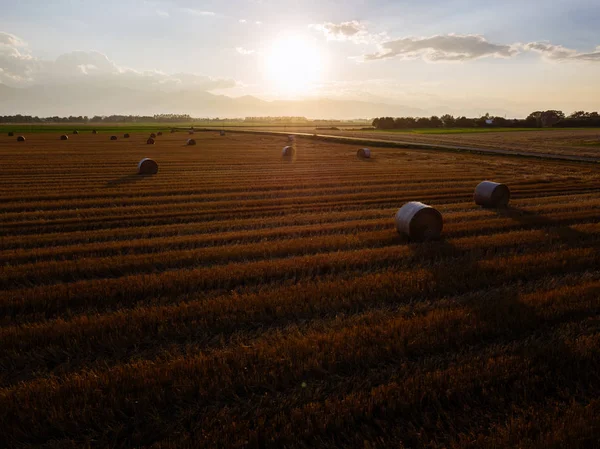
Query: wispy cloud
243	21
443	48
560	53
197	12
244	51
161	13
353	30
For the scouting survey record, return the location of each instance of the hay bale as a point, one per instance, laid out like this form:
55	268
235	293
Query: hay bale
75	132
190	142
150	141
126	136
20	139
191	132
419	221
147	166
291	139
288	152
153	135
173	131
492	194
159	133
94	131
222	133
364	153
113	137
11	134
64	137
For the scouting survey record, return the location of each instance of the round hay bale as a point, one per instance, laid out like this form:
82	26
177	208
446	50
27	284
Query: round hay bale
173	131
222	133
288	152
11	134
291	139
191	132
20	139
147	166
159	133
150	141
64	137
492	194
364	153
126	136
153	135
419	221
190	142
75	132
94	131
113	137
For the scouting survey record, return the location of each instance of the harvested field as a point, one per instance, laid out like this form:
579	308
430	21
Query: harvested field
233	300
562	142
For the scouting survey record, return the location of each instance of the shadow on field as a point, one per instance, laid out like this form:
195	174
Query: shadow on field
528	218
127	179
370	160
457	272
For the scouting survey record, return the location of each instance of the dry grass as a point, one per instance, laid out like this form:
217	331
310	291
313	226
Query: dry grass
233	300
571	142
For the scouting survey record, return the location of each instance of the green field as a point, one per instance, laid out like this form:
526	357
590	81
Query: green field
471	130
101	128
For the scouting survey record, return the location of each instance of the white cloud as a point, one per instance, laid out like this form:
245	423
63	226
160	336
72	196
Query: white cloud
244	51
94	69
258	22
243	21
560	53
11	40
450	47
161	13
353	30
197	12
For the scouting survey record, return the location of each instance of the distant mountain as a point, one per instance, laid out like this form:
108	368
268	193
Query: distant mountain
65	100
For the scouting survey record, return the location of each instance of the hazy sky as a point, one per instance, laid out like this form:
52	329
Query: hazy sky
455	55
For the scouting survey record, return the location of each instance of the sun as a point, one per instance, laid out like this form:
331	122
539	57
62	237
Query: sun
293	65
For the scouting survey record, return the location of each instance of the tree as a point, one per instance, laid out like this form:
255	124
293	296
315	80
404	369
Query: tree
436	122
448	120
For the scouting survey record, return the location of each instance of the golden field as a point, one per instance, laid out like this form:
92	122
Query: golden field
237	300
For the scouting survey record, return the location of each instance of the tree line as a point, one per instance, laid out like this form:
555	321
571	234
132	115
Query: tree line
537	119
157	118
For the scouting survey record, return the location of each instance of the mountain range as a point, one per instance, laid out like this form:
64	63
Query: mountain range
82	99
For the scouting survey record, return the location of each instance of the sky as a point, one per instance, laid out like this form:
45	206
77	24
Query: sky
447	56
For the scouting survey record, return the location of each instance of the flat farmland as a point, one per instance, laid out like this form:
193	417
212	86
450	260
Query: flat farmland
236	300
559	142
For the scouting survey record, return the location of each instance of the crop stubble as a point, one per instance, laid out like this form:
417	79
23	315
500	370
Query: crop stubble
235	300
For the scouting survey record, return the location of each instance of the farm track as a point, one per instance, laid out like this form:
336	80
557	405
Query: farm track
555	144
234	300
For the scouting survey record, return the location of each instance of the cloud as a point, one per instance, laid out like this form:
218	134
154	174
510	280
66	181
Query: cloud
560	53
450	47
10	40
197	12
161	13
94	69
243	21
244	51
353	30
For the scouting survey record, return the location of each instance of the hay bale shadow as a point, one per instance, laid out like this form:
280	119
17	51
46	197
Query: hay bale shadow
368	160
127	179
532	219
